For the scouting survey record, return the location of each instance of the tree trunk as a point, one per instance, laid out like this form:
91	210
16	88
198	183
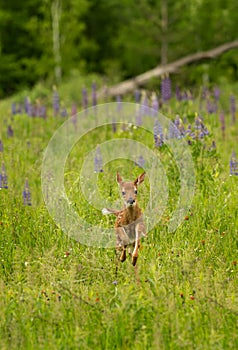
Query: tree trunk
56	14
164	28
132	84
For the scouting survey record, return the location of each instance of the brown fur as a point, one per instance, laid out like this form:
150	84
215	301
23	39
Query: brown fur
129	224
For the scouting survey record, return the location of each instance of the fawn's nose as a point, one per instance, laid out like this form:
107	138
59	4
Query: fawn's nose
131	201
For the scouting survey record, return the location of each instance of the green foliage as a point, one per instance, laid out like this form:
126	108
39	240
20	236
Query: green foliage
119	39
57	294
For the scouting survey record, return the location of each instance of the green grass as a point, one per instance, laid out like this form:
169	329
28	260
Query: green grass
58	294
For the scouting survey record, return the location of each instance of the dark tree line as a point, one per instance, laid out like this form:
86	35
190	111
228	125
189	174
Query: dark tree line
50	39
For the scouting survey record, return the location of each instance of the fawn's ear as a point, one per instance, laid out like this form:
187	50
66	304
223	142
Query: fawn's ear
119	179
140	179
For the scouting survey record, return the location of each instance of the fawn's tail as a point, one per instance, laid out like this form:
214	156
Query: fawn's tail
106	211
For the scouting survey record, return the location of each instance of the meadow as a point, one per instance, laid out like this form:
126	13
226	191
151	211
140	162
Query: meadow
56	293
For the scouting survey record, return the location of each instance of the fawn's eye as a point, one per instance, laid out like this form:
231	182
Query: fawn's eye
123	193
135	191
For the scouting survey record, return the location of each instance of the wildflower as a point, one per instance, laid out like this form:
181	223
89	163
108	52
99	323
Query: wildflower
14	109
211	108
233	108
73	109
26	104
94	94
138	118
115	283
144	104
154	104
1	146
10	131
216	93
137	96
166	88
158	134
98	161
141	162
178	93
223	125
173	131
119	104
84	98
233	164
42	112
55	101
3	177
26	194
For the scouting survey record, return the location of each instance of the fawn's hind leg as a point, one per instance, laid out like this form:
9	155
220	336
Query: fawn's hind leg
122	241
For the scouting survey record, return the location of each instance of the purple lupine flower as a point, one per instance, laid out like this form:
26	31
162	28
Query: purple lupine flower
14	108
10	131
105	93
233	108
73	109
19	109
141	162
119	104
158	134
137	96
178	93
138	116
94	94
26	104
144	104
30	109
216	93
42	112
3	177
26	194
64	112
205	92
173	131
166	89
154	104
55	101
1	146
84	98
98	161
223	124
210	106
233	164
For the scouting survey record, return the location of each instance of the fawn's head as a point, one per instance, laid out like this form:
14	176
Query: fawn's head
129	189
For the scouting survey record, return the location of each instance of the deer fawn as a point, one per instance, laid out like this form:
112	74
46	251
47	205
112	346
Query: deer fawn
129	224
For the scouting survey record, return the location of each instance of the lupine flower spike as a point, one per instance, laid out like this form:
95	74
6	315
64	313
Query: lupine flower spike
98	161
158	134
233	108
166	88
55	101
233	164
84	98
26	194
1	146
141	162
3	177
154	104
10	131
94	94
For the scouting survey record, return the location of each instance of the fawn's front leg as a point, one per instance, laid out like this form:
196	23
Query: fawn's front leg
139	232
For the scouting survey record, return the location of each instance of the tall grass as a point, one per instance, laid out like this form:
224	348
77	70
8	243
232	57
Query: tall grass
57	294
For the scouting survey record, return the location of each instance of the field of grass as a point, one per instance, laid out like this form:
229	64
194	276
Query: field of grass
56	293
